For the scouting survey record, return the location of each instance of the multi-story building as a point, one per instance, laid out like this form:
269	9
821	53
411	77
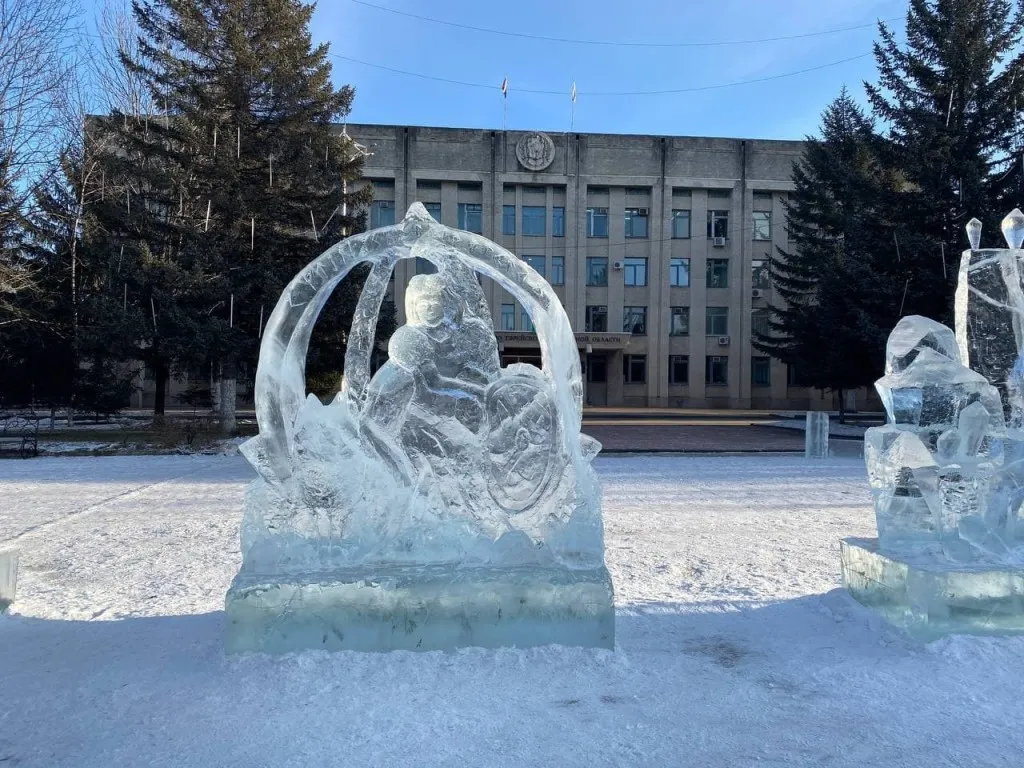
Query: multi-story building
657	246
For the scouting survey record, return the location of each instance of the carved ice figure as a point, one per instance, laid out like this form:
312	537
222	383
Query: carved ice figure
445	491
947	470
990	304
932	467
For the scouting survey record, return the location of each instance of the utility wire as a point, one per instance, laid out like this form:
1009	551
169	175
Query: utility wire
564	92
691	44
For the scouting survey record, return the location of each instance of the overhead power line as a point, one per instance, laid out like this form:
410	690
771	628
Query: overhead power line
564	92
573	41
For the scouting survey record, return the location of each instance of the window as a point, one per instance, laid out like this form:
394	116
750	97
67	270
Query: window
596	319
558	270
679	321
634	320
508	220
636	222
597	222
527	323
718	273
678	369
634	369
718	223
717	321
762	225
382	213
471	217
680	223
424	267
558	222
533	219
635	270
759	322
679	272
597	270
760	372
760	274
508	317
597	369
434	209
795	377
716	371
536	263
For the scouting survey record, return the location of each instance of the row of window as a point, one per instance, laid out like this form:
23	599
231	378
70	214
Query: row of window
634	269
716	370
634	320
635	272
533	220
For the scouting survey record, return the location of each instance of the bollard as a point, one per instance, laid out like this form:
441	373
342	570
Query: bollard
8	578
816	436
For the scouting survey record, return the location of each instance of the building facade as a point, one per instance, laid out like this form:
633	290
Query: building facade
657	246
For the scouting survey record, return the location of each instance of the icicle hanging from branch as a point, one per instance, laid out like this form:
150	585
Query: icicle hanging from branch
128	200
259	334
238	142
215	140
316	237
271	171
124	301
152	307
231	313
252	234
120	258
206	224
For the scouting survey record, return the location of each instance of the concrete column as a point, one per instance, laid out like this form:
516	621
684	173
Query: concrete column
741	285
698	295
615	382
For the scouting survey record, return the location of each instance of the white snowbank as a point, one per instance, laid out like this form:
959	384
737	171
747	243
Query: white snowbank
735	647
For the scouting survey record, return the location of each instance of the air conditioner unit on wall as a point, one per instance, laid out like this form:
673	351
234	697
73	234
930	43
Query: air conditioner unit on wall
757	293
723	341
719	242
617	265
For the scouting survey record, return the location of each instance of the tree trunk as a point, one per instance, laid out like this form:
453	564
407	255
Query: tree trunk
160	395
842	406
228	389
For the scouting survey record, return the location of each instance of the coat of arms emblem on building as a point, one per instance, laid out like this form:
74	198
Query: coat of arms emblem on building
535	151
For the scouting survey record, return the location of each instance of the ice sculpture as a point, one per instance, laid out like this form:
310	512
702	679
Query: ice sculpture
445	501
947	470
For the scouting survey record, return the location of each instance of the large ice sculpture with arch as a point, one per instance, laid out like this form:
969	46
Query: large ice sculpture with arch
443	501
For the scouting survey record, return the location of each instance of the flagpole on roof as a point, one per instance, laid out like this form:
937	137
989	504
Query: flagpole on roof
504	104
572	109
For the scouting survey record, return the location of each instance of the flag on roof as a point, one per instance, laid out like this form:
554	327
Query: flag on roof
504	87
573	95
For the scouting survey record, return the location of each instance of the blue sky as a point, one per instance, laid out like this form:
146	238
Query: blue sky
788	107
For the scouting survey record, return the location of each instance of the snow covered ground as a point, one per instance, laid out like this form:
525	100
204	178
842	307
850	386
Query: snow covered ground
735	646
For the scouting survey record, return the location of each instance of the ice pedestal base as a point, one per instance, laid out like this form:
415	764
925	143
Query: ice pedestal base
929	600
421	609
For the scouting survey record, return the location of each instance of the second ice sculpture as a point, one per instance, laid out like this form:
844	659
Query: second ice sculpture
445	501
947	470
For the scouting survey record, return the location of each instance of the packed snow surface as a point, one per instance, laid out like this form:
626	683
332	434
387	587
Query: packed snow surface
735	645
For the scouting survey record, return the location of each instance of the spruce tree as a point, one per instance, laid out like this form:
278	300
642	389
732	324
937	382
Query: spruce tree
840	294
239	177
948	99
